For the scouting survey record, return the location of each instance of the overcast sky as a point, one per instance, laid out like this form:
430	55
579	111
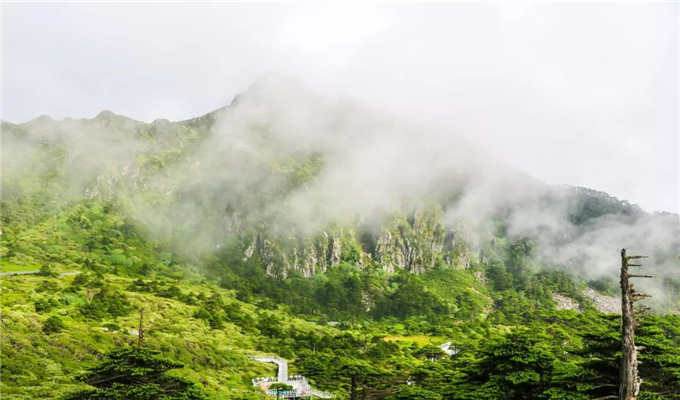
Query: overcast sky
575	93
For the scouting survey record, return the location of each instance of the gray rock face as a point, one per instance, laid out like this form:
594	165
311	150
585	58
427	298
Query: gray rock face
604	303
333	251
266	252
390	252
306	255
565	303
411	243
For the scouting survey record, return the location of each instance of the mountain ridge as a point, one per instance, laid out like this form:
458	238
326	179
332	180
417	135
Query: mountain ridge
287	149
322	233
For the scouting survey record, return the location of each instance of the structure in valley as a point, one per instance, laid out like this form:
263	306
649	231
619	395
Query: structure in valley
300	384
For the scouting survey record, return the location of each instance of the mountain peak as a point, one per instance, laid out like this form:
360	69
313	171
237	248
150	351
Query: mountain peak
106	115
276	84
43	119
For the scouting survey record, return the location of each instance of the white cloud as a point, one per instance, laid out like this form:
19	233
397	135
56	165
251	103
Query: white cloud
561	90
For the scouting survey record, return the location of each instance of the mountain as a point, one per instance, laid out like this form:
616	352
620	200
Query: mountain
299	179
313	208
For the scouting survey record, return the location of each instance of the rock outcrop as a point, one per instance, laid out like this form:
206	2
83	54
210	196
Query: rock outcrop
605	303
565	303
411	242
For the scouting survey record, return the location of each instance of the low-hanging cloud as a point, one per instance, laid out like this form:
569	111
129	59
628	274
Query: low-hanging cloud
364	165
572	93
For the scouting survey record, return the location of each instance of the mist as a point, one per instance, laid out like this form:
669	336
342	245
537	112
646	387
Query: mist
584	94
235	180
484	112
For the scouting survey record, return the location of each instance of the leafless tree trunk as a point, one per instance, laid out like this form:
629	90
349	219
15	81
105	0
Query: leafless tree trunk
140	339
630	382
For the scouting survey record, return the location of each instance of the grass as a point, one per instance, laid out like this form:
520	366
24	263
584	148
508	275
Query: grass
36	365
422	340
18	268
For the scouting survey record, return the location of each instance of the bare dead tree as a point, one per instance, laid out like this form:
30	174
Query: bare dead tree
140	338
629	380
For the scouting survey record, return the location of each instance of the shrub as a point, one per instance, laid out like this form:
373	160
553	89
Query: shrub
53	324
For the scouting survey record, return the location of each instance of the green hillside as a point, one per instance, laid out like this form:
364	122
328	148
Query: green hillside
312	229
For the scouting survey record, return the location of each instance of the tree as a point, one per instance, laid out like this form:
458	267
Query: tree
47	271
601	355
315	365
42	305
216	321
431	352
660	362
53	324
518	365
359	374
136	373
81	279
415	393
106	302
411	298
279	388
435	375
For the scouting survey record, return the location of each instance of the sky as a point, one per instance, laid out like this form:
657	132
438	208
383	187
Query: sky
582	94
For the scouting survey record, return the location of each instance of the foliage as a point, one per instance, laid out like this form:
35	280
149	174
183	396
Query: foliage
53	324
227	277
279	388
137	373
47	271
410	298
415	393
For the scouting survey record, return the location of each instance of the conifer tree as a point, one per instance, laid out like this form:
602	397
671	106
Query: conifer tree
136	373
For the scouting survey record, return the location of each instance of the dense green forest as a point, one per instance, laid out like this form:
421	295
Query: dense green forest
207	233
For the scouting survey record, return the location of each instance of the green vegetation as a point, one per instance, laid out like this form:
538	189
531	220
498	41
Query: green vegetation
359	307
280	388
135	373
18	268
562	354
53	324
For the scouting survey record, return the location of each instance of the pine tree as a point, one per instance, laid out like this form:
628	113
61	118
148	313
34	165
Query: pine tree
136	373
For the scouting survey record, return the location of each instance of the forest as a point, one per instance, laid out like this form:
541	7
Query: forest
161	256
